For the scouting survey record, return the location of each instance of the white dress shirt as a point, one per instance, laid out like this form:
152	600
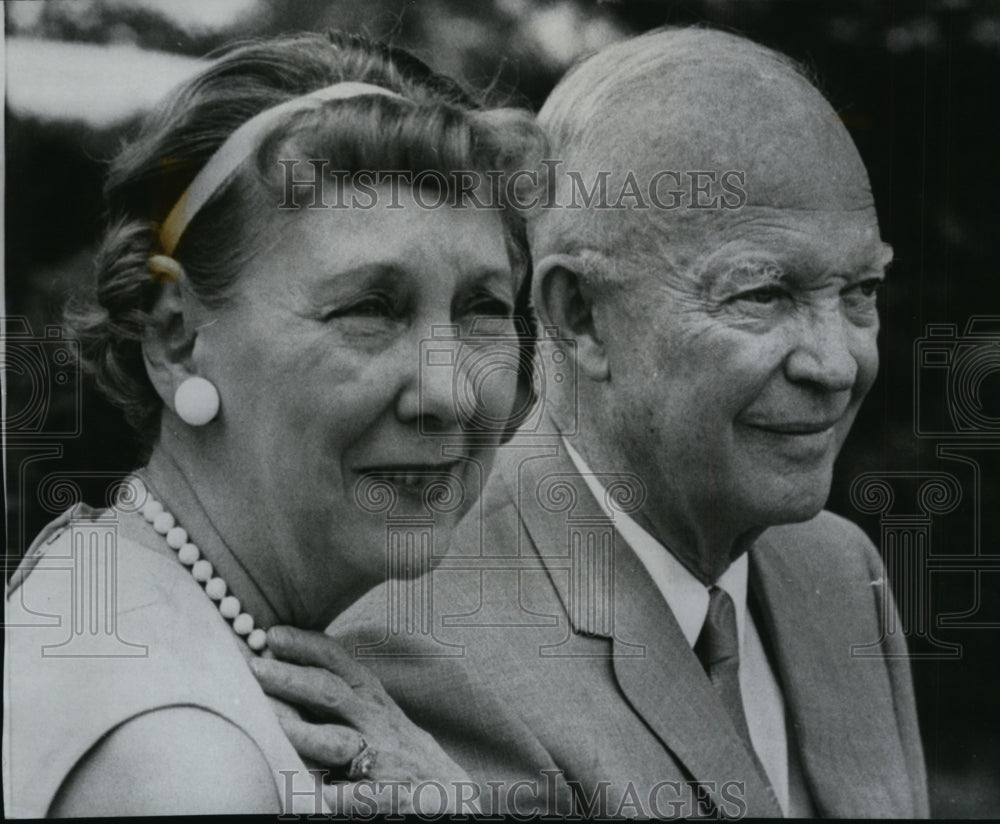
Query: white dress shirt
687	598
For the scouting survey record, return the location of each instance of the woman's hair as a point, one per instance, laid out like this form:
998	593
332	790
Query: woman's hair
436	127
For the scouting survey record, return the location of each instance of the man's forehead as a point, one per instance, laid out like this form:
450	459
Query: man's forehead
770	127
788	244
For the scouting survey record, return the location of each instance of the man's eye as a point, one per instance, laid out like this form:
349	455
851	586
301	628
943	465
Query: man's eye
869	288
764	295
372	307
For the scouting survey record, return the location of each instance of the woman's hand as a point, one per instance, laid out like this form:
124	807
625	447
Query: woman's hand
348	709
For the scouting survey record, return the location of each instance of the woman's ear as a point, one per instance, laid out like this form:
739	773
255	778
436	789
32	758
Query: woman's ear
168	342
564	301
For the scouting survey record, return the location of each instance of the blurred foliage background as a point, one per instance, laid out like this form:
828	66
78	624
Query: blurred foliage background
916	82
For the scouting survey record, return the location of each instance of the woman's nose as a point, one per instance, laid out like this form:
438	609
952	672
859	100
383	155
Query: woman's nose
428	394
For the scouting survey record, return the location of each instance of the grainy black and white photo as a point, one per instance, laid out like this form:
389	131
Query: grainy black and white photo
567	408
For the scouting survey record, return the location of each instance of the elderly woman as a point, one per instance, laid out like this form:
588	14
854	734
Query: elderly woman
262	296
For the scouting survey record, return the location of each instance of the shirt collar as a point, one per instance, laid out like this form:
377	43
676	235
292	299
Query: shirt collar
686	596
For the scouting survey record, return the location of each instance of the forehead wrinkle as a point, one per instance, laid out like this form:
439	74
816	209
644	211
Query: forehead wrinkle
776	236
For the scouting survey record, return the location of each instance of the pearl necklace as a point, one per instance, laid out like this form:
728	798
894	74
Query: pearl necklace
201	570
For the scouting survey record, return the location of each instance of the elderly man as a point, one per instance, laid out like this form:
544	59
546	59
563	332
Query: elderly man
650	614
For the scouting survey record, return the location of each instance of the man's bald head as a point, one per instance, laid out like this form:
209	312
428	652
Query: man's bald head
691	100
722	348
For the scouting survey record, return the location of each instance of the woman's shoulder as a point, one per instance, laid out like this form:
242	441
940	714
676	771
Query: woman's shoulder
94	560
214	768
103	630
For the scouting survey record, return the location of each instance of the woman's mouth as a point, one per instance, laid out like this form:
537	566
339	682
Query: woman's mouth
416	478
432	484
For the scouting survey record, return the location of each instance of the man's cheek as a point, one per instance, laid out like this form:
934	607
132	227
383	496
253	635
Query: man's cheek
868	363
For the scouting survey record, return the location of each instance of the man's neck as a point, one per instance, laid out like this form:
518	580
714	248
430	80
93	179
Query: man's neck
702	545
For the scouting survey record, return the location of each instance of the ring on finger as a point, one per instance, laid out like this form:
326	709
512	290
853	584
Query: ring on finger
363	763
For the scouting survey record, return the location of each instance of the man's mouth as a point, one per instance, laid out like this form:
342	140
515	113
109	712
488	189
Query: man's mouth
808	427
801	439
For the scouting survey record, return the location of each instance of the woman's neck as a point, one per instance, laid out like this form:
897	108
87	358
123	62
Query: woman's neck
192	506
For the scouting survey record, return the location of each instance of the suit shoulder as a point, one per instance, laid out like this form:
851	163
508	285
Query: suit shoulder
395	618
826	527
828	540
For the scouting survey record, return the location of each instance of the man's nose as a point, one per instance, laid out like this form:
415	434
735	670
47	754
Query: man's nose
822	352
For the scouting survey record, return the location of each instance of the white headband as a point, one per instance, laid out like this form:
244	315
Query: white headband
240	145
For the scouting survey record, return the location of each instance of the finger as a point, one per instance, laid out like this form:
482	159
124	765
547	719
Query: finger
329	745
281	708
319	691
316	649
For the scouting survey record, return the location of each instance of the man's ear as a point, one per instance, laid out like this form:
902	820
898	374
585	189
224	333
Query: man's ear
169	342
563	299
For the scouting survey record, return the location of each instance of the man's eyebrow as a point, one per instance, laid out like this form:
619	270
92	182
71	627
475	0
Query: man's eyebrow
886	257
755	269
880	266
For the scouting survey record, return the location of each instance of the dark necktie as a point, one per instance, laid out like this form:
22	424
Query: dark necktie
718	649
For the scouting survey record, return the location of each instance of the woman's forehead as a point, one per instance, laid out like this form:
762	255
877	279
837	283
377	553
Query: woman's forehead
398	235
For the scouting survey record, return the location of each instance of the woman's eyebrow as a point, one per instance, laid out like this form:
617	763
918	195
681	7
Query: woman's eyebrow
378	274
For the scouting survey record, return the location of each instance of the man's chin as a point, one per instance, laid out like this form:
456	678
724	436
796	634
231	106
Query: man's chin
797	515
795	499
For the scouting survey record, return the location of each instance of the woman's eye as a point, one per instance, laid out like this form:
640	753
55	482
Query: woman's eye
485	308
491	306
373	306
486	316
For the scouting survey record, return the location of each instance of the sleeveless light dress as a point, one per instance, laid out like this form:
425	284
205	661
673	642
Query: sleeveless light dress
104	629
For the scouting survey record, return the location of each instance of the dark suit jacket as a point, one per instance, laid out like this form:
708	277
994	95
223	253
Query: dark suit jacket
551	657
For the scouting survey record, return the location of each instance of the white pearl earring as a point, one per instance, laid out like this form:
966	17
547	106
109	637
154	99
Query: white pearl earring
196	401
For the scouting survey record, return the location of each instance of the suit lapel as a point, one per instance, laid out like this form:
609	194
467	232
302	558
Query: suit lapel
655	668
849	749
